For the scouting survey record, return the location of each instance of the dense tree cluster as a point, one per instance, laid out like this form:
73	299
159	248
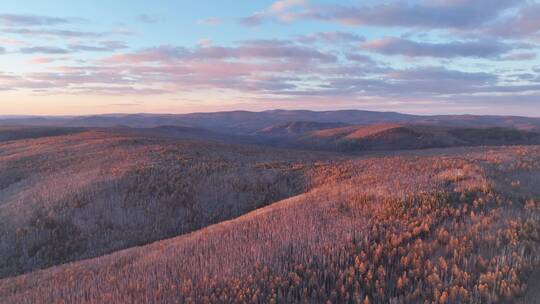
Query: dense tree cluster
408	255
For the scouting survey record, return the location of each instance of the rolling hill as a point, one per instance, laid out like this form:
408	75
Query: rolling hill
297	128
410	229
75	196
400	137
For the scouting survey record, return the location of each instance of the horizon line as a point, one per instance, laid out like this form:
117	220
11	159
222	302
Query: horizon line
15	116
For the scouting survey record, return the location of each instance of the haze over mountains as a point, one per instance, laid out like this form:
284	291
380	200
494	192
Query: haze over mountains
245	122
346	130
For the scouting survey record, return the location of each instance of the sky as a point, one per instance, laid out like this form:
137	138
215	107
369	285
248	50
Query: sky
176	56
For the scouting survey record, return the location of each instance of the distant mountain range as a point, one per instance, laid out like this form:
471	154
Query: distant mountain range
244	122
345	131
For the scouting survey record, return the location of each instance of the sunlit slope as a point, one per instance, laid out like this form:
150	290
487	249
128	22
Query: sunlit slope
401	137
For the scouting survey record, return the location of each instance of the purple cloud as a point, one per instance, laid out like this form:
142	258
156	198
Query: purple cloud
253	20
358	57
331	37
247	50
426	14
284	69
115	90
414	82
519	57
210	21
30	20
400	46
105	46
443	74
493	18
147	18
44	50
525	23
52	33
281	10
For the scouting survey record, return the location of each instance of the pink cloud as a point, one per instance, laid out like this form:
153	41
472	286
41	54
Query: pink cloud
256	50
210	21
44	60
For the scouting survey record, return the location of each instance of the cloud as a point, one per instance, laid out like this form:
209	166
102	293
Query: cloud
519	57
282	5
147	18
15	82
115	90
400	46
52	33
425	14
247	50
253	20
256	66
102	46
359	58
44	50
31	20
89	48
44	60
331	37
114	44
525	23
284	69
105	46
272	77
275	77
282	10
210	21
205	42
9	41
487	17
428	81
443	74
162	53
127	104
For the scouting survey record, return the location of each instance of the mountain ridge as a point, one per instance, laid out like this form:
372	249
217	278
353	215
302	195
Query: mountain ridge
247	122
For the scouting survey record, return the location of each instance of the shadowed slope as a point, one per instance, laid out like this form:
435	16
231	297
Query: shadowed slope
8	133
77	196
